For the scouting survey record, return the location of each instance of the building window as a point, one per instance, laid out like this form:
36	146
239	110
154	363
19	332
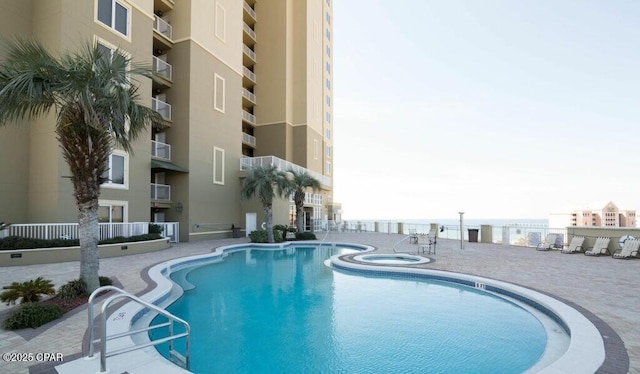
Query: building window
328	151
327	66
116	175
328	117
328	17
112	211
327	33
328	133
328	82
114	14
328	100
328	168
328	50
218	93
218	165
220	22
315	149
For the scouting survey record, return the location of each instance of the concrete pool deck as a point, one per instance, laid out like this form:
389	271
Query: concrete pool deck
607	289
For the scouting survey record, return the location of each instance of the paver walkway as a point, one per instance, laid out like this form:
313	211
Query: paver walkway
608	288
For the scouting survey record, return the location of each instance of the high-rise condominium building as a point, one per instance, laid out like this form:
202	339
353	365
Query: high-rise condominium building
245	82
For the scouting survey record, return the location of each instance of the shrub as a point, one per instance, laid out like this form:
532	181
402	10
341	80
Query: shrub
277	236
28	291
18	242
305	236
258	236
77	288
32	315
105	281
73	289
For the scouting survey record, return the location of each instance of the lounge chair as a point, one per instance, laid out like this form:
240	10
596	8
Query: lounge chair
629	249
413	236
575	245
425	244
548	243
600	247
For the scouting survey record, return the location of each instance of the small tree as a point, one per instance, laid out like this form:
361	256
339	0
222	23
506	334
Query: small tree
266	183
97	107
28	291
298	185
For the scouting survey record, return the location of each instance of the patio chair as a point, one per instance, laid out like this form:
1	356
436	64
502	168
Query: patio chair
600	247
575	245
425	243
628	250
413	236
548	243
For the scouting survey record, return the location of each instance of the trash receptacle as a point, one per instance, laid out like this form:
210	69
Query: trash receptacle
235	232
473	235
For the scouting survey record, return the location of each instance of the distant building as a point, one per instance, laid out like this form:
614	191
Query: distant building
595	214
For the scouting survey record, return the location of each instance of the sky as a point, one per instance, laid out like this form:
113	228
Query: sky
497	108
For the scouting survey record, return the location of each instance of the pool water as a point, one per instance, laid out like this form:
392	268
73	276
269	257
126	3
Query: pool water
284	311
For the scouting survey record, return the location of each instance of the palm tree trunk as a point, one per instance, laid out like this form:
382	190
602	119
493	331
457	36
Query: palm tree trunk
299	218
268	214
89	235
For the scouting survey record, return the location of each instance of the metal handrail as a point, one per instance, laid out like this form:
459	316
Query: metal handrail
103	342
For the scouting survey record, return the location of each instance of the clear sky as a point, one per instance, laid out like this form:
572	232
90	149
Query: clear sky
498	108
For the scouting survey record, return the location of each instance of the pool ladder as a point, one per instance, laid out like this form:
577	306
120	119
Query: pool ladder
175	356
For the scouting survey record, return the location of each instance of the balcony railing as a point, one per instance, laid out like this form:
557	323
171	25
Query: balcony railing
310	198
249	31
248	117
247	163
249	74
249	139
249	95
161	107
160	192
70	230
249	52
163	68
160	150
250	10
163	27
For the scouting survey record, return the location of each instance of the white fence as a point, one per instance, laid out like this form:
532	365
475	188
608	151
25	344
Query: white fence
70	230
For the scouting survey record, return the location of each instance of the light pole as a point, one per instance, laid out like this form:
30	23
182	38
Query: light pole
461	229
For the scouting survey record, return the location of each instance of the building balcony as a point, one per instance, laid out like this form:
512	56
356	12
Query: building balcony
249	139
248	53
162	34
248	117
247	163
164	71
249	15
163	5
249	95
160	192
249	31
161	107
248	75
160	150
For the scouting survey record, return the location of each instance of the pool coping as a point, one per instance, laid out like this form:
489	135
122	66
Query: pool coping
586	352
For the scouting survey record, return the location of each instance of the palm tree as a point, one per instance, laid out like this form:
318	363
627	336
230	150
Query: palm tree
299	184
97	108
28	291
266	183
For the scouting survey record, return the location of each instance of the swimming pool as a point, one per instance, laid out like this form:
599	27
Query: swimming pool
283	311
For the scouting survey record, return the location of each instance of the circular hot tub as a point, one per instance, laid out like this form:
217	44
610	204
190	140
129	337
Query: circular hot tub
392	259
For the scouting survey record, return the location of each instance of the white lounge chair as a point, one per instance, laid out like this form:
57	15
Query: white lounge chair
425	244
413	236
600	247
629	249
548	243
575	245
